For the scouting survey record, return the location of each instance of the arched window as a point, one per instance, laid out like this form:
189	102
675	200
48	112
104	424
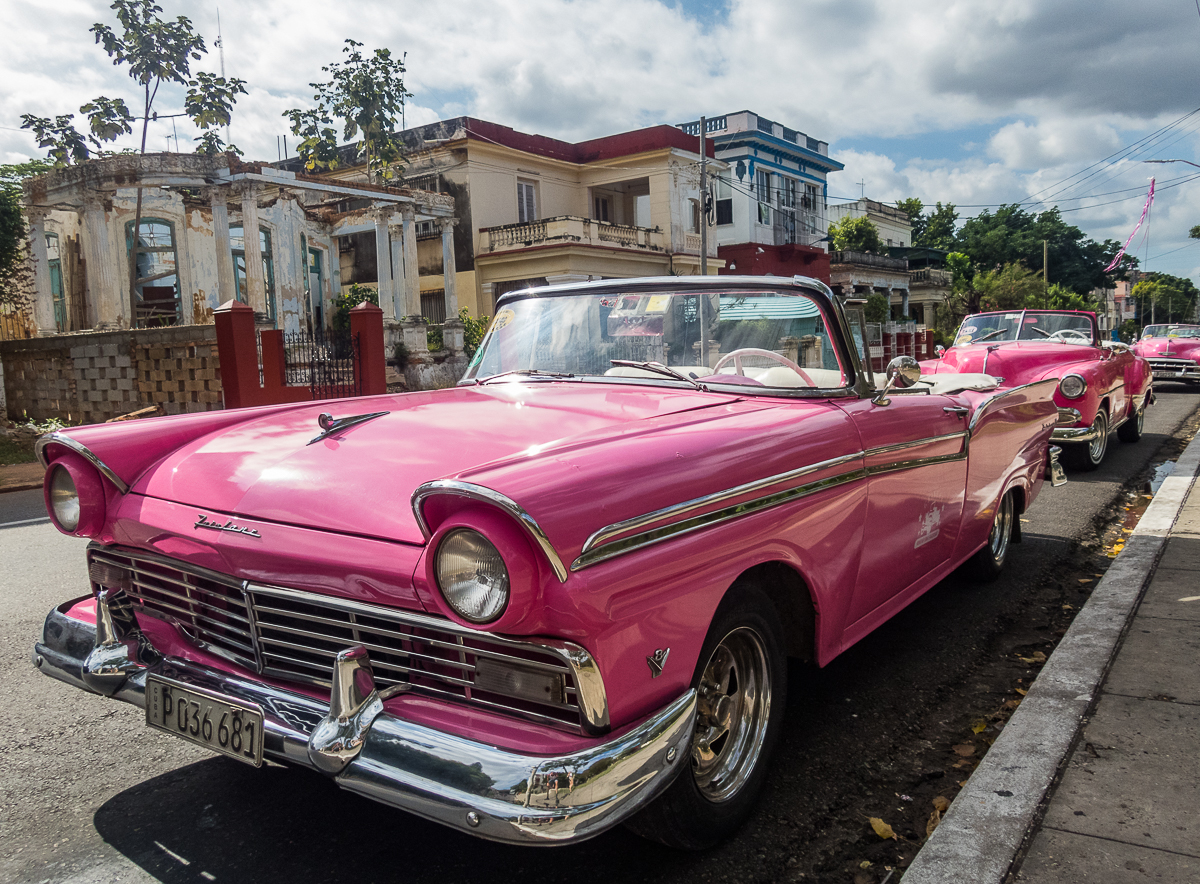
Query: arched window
157	283
237	245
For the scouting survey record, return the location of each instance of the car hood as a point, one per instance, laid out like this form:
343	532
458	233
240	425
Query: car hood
1017	362
1185	348
360	480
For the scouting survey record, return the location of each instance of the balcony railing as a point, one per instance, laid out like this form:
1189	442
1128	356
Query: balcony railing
931	276
867	259
569	229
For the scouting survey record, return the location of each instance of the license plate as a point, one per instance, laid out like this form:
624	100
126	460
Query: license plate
1169	374
222	724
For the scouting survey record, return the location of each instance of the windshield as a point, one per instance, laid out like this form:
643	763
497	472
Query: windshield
760	339
1172	331
1026	325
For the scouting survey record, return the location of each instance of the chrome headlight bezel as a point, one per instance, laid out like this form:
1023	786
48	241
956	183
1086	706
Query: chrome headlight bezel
1072	386
478	597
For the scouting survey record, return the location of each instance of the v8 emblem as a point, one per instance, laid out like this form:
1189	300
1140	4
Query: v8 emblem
657	661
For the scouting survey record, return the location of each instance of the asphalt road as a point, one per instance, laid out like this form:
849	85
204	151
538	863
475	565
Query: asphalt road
88	794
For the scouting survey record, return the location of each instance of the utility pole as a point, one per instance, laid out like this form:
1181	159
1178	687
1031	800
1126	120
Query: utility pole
1046	275
703	240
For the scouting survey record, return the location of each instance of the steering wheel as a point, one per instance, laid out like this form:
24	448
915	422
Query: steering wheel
1066	335
736	357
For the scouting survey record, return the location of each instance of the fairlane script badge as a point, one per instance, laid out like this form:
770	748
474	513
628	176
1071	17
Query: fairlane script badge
204	522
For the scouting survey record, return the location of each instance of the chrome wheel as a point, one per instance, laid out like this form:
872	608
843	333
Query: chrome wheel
732	712
1001	533
1098	446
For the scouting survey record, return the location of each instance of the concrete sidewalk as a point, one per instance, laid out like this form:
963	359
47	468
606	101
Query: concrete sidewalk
1116	713
20	476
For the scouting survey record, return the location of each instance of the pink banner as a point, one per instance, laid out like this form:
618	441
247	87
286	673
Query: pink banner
1145	211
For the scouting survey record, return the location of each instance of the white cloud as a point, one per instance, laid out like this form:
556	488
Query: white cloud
1041	90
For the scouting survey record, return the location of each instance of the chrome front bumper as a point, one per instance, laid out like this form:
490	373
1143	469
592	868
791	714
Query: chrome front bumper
493	793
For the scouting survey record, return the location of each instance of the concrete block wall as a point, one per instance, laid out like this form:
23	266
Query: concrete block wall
90	378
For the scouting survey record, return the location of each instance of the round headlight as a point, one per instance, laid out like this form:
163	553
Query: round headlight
1072	386
64	499
472	576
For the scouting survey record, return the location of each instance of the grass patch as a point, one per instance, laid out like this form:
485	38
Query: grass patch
12	452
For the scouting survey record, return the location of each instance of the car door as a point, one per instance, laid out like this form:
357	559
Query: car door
915	455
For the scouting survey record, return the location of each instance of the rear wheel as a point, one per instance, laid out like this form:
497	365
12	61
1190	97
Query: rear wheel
987	564
741	686
1086	456
1131	430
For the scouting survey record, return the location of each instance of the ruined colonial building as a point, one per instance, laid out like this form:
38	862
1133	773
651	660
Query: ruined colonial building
191	252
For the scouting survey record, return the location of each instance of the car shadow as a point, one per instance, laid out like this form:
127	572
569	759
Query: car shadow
217	820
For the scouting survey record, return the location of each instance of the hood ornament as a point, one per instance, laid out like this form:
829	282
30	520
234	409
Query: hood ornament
330	425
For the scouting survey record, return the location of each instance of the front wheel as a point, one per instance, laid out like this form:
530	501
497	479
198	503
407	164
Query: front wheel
741	686
1131	430
1086	456
987	564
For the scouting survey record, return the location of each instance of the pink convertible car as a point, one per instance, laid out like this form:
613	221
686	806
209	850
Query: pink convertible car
1102	386
1173	351
560	595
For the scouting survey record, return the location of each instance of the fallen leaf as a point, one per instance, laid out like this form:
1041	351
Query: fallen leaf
1085	579
962	784
934	819
1035	657
979	727
882	829
1013	704
942	803
1020	691
865	864
966	750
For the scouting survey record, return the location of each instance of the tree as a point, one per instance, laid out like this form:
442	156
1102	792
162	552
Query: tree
157	51
366	93
1011	235
935	229
1194	233
878	308
855	235
1162	297
14	243
1012	286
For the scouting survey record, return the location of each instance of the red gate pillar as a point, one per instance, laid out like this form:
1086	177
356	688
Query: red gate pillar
237	350
366	324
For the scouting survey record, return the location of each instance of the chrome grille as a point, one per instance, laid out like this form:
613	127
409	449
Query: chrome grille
1167	364
294	635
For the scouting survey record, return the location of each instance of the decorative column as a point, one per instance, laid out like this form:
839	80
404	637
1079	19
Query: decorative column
396	233
412	280
383	262
226	283
449	269
106	299
903	303
256	288
43	298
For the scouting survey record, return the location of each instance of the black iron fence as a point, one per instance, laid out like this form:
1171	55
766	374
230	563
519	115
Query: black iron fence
324	360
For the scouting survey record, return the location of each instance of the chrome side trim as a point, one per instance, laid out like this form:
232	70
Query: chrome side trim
686	526
902	446
499	794
56	438
602	536
487	495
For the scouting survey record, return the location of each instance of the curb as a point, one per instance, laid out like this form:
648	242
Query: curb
984	832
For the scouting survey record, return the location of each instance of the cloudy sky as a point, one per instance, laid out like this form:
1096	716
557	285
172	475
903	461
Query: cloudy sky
975	102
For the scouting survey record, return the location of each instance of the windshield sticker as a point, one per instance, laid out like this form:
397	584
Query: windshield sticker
503	318
658	303
1031	320
962	339
1012	315
970	328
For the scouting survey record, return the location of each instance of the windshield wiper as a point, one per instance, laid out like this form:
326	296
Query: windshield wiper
990	335
659	368
526	372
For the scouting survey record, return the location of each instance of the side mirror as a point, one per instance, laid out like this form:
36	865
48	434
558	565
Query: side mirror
902	373
939	351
